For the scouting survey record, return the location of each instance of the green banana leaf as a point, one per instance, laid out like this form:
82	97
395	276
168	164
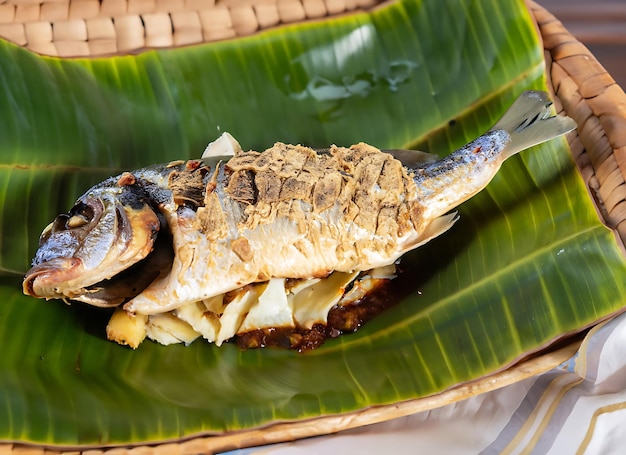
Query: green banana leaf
528	262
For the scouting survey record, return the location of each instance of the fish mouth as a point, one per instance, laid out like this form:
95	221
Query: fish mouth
43	279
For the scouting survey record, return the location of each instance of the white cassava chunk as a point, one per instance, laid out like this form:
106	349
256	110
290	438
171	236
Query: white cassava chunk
275	303
367	283
295	286
272	310
385	272
312	304
234	313
225	145
127	328
166	328
203	316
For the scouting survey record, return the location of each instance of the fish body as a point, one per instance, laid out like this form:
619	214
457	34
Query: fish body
159	239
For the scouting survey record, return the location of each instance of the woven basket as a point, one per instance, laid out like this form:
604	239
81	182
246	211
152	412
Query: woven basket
580	86
90	28
589	95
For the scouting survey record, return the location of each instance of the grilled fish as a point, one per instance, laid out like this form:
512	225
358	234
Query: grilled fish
227	244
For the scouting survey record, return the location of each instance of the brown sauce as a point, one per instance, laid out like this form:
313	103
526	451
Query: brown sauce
341	320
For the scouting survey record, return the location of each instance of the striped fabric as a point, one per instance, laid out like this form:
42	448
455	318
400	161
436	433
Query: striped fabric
578	408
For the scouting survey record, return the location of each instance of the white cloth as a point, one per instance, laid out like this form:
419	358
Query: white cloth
579	407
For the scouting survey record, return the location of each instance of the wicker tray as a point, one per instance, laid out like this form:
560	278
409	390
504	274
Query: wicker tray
589	95
90	28
580	86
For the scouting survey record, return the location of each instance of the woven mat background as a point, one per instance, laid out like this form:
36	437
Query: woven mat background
90	28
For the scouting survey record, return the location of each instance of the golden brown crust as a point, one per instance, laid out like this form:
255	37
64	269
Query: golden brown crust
188	185
241	248
212	219
369	187
126	179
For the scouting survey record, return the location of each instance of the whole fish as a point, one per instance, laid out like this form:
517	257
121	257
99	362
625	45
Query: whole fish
224	245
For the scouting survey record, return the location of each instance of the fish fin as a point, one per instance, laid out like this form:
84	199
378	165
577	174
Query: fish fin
225	145
436	227
412	158
530	121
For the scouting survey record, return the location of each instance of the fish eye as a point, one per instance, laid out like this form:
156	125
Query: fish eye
76	221
80	215
47	232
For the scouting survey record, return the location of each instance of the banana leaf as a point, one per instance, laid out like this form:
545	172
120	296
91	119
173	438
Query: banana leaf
528	262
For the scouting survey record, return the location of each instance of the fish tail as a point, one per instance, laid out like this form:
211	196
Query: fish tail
530	121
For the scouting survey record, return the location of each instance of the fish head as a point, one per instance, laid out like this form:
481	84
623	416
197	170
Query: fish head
83	253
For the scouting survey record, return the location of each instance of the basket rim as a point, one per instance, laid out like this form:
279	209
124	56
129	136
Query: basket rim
585	91
101	28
